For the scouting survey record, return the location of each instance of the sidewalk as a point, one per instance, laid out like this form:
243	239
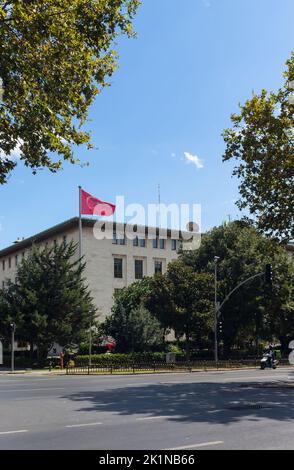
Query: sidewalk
32	372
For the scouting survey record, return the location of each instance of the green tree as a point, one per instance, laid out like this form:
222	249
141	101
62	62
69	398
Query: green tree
243	252
49	300
131	297
262	140
56	56
135	330
182	300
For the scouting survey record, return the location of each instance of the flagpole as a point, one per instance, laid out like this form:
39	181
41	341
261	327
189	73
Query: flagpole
80	256
80	223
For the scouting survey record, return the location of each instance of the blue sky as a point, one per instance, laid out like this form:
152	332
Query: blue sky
177	84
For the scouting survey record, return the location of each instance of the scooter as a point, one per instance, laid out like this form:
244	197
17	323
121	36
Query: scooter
267	362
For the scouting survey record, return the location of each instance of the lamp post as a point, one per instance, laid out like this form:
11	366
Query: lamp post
216	258
12	326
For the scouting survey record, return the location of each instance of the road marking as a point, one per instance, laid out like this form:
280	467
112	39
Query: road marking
149	418
140	383
196	446
13	432
31	389
82	425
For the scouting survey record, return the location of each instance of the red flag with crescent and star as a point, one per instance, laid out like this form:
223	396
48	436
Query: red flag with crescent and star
91	205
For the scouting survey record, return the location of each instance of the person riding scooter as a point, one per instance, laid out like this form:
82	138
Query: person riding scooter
268	359
271	355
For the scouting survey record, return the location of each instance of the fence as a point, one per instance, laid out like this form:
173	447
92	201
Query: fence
157	367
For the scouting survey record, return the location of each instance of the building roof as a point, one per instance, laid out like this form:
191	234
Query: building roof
41	236
63	227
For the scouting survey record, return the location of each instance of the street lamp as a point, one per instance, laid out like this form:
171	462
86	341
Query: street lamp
12	326
216	259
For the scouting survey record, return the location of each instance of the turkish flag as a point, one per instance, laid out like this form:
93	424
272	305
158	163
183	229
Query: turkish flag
90	205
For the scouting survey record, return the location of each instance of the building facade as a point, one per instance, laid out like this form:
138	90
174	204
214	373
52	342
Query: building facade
112	262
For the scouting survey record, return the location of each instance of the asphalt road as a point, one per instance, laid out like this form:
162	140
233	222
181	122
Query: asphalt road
220	410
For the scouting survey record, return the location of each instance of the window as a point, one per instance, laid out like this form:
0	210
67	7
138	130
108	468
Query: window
158	267
118	268
174	245
16	260
9	262
116	292
3	265
64	239
142	242
23	255
138	269
162	244
118	240
3	284
155	243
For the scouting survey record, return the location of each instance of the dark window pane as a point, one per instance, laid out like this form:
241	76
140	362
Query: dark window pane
174	245
118	268
142	242
138	269
162	244
158	267
155	243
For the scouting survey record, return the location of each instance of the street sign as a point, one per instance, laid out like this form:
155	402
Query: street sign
55	351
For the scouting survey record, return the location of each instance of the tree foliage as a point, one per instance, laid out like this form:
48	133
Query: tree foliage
56	56
49	300
134	330
262	141
255	311
183	300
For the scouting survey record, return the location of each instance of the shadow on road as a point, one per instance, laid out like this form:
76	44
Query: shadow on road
212	403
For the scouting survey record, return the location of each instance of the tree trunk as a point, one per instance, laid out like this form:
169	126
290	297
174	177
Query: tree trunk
187	334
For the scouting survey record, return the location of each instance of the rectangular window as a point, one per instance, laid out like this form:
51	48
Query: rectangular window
16	260
155	243
64	239
9	262
136	242
174	245
162	244
138	269
118	268
3	265
158	267
142	242
23	255
118	241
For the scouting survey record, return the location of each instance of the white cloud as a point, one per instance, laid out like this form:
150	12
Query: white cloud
194	159
173	155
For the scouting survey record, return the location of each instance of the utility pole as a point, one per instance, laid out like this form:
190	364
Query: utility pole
216	307
12	325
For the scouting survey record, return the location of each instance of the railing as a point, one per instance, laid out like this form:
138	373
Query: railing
157	367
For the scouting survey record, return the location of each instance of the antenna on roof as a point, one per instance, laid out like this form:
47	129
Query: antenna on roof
159	202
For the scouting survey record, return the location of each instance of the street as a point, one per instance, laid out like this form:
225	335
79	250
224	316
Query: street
215	410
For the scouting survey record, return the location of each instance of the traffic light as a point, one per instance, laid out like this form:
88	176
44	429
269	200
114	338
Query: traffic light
220	327
268	274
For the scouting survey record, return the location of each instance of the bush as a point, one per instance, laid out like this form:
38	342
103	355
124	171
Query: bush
120	358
